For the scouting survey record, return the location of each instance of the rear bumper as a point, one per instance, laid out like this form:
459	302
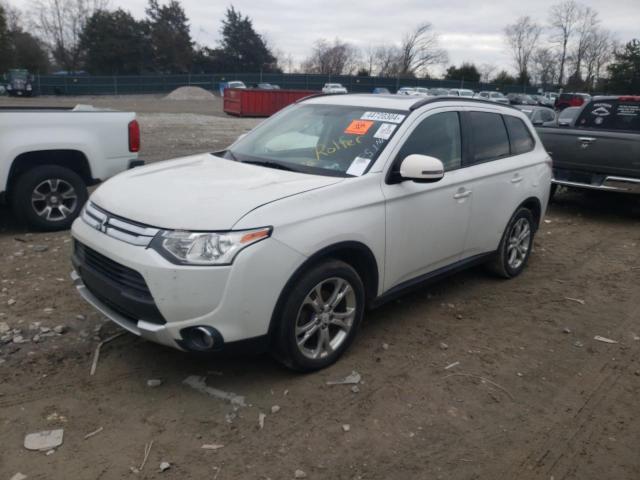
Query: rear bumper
608	183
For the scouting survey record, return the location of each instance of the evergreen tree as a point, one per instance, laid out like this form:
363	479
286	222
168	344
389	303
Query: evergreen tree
171	45
244	49
467	72
625	70
115	43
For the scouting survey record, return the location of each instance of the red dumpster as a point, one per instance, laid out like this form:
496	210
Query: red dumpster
253	102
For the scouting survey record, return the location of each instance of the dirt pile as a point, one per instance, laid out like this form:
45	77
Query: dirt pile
190	93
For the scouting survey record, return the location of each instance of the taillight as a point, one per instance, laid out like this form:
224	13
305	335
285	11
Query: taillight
134	136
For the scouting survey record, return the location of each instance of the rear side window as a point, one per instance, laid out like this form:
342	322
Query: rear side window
611	115
437	136
519	135
490	140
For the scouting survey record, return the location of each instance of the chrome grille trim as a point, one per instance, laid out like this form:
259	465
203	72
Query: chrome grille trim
116	227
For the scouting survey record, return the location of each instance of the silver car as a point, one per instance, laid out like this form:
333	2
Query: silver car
496	97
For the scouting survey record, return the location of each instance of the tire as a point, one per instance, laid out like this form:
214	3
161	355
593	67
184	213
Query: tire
300	318
48	197
506	263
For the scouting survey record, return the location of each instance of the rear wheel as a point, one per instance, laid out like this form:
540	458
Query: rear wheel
515	247
320	316
48	197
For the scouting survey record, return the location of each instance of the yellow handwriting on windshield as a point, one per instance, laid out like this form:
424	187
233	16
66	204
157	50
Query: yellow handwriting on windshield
343	143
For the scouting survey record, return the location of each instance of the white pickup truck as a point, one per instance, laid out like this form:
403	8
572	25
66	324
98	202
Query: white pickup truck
49	156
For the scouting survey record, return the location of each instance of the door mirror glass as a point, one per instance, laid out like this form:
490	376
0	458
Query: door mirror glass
421	168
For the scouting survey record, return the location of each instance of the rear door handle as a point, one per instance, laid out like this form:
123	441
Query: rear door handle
517	178
462	194
586	141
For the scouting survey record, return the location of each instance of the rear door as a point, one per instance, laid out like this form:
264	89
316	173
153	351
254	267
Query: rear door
608	138
501	161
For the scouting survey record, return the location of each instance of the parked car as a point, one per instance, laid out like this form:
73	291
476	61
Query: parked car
406	91
267	86
572	100
461	92
333	88
496	97
439	92
521	99
381	90
539	115
19	83
49	156
601	148
423	92
270	245
543	101
235	84
568	116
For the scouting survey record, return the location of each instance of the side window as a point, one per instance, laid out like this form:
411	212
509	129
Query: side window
490	140
547	116
519	135
437	136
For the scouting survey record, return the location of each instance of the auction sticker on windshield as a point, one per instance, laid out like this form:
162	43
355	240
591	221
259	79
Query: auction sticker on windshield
358	166
383	117
359	127
385	131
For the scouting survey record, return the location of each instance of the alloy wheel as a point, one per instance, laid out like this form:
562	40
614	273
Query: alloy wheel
54	199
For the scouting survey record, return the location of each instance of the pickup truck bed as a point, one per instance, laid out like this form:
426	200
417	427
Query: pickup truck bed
601	149
49	155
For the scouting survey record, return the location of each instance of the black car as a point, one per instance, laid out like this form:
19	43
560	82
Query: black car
521	99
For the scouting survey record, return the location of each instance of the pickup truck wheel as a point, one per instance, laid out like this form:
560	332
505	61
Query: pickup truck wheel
320	317
515	247
48	197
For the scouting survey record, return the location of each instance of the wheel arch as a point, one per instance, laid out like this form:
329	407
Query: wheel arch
356	254
535	206
74	160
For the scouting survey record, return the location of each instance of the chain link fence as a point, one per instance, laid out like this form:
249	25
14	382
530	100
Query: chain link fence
140	84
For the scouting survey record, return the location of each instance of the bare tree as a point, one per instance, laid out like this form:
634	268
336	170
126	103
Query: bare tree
386	62
522	38
598	54
61	22
587	24
563	18
545	66
420	49
335	58
486	72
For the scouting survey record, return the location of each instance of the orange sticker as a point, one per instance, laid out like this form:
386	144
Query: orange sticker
359	127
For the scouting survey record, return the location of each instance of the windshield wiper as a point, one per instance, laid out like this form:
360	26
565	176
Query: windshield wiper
271	164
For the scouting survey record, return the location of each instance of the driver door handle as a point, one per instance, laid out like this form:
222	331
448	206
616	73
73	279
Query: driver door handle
462	193
586	141
517	178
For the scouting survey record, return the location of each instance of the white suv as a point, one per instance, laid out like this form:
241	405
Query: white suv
333	205
333	88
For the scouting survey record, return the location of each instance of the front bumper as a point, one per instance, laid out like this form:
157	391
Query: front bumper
236	300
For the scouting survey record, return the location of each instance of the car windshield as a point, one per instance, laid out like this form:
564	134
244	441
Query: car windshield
332	140
333	85
18	74
466	93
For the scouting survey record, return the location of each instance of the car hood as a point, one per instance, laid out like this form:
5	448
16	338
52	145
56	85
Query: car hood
201	192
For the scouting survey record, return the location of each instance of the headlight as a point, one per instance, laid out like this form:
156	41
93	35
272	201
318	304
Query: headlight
206	248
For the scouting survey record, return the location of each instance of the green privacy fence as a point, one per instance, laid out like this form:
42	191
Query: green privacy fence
137	84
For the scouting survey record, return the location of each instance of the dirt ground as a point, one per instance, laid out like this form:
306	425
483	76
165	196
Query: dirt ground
534	395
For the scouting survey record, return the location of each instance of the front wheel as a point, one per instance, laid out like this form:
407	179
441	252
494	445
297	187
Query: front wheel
320	316
48	197
515	247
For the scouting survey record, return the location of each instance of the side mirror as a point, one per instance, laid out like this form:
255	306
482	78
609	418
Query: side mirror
421	168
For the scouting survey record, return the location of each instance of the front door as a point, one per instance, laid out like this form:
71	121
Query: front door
426	223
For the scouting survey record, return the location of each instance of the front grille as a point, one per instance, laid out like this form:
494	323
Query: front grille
118	227
120	288
128	279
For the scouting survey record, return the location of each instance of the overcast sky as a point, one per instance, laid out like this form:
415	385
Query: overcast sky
469	30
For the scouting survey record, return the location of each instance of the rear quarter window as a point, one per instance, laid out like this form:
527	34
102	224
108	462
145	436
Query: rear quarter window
611	115
519	135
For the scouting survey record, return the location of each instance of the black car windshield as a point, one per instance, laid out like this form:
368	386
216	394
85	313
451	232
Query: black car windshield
333	140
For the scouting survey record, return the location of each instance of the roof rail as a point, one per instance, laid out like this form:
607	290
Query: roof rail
316	95
427	101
